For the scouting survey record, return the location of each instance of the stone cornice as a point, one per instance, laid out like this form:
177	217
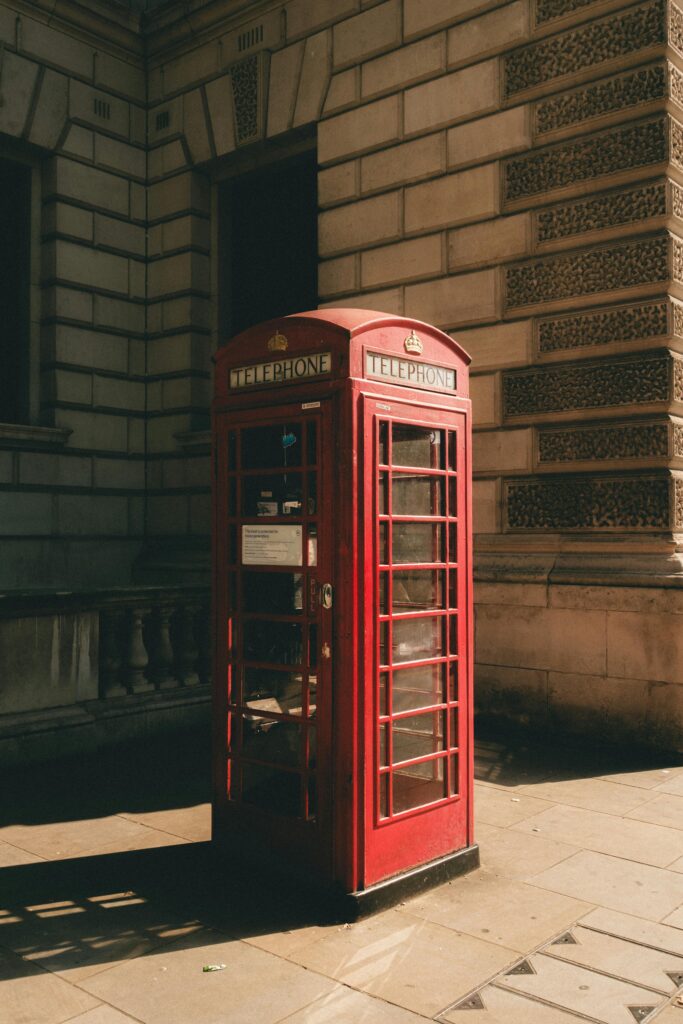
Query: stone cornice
97	20
172	26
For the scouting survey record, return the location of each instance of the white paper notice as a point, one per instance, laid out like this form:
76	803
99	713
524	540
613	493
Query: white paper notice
272	545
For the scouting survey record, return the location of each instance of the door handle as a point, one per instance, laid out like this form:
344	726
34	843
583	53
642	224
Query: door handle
326	595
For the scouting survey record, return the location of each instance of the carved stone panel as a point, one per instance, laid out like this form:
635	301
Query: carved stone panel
678	504
604	442
588	272
634	322
618	35
599	385
549	10
619	149
603	211
590	503
622	92
248	98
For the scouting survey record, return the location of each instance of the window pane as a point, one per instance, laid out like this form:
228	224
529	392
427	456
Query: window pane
418	687
382	455
274	495
383	588
277	642
383	796
382	504
416	495
266	739
416	542
383	693
278	592
416	590
418	785
383	751
312	493
267	689
275	791
383	643
417	446
312	451
383	533
418	736
417	639
276	445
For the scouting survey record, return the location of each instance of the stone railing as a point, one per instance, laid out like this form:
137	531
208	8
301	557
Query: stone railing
154	639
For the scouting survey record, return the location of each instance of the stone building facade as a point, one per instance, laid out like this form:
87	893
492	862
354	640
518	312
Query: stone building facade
512	172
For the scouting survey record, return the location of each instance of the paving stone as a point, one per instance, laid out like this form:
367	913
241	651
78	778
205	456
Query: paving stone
498	807
617	884
620	958
607	833
411	963
473	905
592	794
666	809
102	1015
343	1005
169	987
57	840
502	1007
517	855
33	996
575	988
192	823
647	933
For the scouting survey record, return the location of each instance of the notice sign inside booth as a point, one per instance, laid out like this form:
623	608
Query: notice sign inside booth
409	372
272	545
282	371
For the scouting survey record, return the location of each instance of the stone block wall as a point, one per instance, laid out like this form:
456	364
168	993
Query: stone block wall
512	172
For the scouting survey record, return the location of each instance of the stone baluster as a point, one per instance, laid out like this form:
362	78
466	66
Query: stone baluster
111	661
186	653
160	649
203	634
137	658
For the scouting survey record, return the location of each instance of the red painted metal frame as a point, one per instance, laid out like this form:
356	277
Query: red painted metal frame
352	849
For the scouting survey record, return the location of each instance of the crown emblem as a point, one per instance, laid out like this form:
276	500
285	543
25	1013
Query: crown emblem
278	343
413	343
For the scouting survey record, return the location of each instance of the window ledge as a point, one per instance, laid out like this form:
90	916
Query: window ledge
26	434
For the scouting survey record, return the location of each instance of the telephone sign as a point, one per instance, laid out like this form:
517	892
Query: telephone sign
343	603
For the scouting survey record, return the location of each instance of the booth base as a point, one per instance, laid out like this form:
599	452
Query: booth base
390	891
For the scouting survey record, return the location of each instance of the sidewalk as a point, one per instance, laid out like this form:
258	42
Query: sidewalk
108	913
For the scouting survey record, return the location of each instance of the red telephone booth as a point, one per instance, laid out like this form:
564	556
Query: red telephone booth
343	602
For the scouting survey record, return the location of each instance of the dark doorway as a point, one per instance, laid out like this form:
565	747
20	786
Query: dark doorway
269	243
15	217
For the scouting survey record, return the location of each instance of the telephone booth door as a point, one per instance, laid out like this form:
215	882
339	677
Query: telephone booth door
275	651
417	550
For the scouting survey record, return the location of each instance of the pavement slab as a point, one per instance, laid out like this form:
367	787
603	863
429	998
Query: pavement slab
647	933
638	889
30	995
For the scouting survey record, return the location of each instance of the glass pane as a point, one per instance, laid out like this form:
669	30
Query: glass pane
313	645
383	693
383	643
382	499
417	590
312	545
232	545
266	739
453	588
232	450
452	450
455	776
383	595
312	493
231	487
453	642
276	642
416	542
453	680
275	791
278	444
418	785
312	746
452	495
312	695
418	735
417	446
418	687
417	639
383	751
278	592
312	452
384	796
266	689
453	714
416	495
279	495
383	533
383	454
453	543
